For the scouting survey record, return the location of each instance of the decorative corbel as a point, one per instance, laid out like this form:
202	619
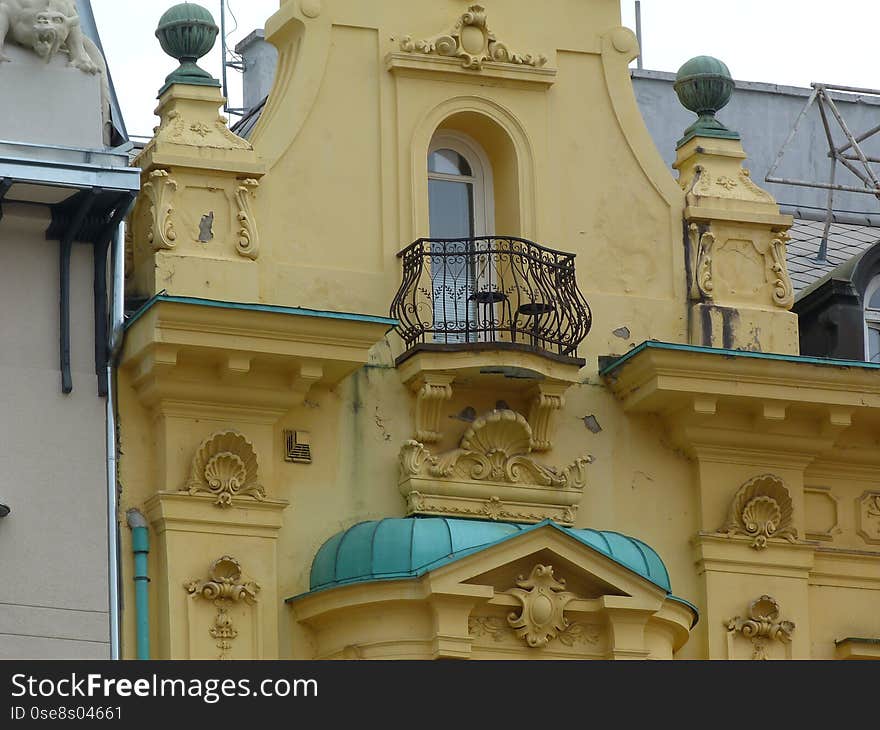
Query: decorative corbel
783	291
546	401
701	277
248	235
225	588
432	391
160	191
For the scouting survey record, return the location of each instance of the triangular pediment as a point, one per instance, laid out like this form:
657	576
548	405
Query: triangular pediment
533	592
586	572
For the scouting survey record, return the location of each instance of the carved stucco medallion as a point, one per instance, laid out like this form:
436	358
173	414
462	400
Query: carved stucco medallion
472	41
225	466
543	599
762	625
225	588
762	510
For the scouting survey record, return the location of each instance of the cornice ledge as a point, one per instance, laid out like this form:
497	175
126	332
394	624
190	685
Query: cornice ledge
401	63
182	511
717	552
650	379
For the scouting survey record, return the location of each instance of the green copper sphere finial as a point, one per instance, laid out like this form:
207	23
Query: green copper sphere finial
704	86
187	32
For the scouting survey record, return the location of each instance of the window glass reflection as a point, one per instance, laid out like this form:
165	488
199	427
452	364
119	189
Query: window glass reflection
449	162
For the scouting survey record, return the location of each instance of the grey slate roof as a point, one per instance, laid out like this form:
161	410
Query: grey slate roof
845	241
245	126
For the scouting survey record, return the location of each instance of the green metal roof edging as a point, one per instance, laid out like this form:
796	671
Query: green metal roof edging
296	311
857	640
690	605
520	530
655	345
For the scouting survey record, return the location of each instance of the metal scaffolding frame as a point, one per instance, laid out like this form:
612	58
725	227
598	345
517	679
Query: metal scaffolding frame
850	154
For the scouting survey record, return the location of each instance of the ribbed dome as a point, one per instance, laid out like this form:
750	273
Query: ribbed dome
410	547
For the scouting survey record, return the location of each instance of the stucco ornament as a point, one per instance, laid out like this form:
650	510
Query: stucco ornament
492	475
472	41
868	525
762	625
225	587
226	466
710	257
248	235
160	190
701	243
497	448
543	599
762	509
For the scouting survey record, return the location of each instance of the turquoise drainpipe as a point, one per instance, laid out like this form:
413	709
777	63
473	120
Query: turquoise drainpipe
140	546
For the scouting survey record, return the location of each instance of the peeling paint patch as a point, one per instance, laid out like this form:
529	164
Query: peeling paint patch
622	332
380	424
592	424
206	228
640	477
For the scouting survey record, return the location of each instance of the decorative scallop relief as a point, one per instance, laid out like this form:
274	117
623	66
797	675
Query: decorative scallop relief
491	475
497	448
473	42
762	626
224	587
762	510
226	466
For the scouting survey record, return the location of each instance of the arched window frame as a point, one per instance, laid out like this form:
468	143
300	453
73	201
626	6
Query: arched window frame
481	177
872	320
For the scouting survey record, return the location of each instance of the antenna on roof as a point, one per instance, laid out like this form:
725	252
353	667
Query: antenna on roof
639	63
230	58
849	155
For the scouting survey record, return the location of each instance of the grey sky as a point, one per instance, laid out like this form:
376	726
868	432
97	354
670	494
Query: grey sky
780	41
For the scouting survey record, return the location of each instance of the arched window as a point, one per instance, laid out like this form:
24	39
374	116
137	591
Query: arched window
872	321
461	203
461	209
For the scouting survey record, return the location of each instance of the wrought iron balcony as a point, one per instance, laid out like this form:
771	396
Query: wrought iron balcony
499	292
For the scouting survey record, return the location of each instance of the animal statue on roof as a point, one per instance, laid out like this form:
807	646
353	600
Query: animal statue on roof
49	27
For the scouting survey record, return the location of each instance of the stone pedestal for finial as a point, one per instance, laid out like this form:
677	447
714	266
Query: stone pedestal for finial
194	227
740	291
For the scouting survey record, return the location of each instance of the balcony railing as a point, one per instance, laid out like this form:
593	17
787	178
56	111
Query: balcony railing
509	292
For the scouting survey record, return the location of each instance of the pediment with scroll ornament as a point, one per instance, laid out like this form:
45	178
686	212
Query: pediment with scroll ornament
492	475
490	591
473	42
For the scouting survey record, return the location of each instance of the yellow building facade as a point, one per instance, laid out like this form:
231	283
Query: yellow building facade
443	362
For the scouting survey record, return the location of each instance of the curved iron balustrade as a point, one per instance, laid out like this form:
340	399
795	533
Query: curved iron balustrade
472	291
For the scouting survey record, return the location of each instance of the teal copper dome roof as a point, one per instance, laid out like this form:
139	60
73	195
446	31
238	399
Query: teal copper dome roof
395	549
